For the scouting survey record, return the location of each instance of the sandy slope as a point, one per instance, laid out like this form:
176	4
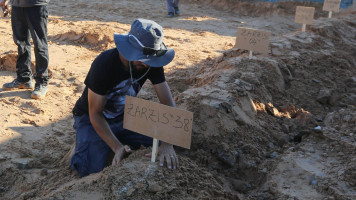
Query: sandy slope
246	111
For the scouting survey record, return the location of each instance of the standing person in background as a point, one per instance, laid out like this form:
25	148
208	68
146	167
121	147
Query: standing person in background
29	18
5	9
173	7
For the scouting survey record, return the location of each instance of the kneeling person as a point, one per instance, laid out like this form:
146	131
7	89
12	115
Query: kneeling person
115	73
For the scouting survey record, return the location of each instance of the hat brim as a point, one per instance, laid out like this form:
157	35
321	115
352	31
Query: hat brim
131	53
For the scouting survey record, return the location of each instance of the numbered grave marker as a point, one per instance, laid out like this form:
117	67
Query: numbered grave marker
331	6
304	15
169	124
252	40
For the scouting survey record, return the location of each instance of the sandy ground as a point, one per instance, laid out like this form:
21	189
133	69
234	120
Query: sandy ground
281	126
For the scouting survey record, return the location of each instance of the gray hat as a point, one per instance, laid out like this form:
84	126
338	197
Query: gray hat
144	43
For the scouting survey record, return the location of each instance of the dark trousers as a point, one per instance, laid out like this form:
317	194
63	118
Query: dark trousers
171	4
26	22
91	152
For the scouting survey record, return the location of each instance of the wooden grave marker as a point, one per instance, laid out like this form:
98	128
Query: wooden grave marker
331	6
304	15
252	40
161	122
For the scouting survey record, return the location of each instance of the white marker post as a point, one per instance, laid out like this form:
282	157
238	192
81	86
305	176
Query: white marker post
304	15
304	27
154	150
252	40
331	6
161	122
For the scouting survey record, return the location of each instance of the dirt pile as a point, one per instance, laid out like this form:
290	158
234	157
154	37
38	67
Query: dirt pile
8	61
260	8
247	110
137	178
93	38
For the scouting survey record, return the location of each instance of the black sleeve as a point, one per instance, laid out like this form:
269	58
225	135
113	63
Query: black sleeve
156	75
99	78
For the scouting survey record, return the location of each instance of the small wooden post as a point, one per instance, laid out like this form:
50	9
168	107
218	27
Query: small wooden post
250	55
154	150
330	14
304	27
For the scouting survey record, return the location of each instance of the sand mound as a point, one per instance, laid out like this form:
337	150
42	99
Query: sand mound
302	80
144	181
92	37
8	61
258	8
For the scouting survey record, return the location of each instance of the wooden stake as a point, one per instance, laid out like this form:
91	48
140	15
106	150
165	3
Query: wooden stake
303	27
250	55
154	150
330	14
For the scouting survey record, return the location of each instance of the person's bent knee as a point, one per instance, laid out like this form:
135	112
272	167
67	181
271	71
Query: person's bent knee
89	158
80	165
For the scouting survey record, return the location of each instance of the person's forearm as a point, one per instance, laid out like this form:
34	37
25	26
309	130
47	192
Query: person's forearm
167	99
169	103
164	94
103	129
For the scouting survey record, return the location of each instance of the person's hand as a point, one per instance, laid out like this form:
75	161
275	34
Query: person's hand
119	154
4	5
166	152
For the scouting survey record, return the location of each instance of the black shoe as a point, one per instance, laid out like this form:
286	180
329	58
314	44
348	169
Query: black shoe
170	14
177	12
40	91
15	84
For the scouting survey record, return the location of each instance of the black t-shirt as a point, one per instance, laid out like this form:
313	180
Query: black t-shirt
108	77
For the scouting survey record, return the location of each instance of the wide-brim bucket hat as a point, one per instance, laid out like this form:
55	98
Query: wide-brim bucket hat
144	43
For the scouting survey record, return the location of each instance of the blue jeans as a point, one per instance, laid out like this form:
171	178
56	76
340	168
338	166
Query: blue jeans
171	4
91	152
26	22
